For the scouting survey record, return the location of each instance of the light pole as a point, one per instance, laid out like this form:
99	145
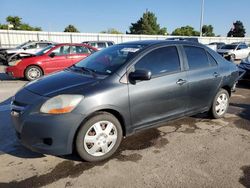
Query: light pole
202	16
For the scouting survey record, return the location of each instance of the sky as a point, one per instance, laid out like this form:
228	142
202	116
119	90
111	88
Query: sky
93	16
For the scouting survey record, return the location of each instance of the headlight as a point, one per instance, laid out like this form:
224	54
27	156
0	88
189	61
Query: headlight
13	63
61	104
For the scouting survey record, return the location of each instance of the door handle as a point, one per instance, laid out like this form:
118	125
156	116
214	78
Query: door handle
216	74
181	82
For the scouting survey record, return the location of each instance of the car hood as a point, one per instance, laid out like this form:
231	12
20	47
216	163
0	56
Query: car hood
63	82
21	55
224	50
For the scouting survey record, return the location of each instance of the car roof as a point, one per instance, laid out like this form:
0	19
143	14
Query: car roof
167	42
71	44
96	41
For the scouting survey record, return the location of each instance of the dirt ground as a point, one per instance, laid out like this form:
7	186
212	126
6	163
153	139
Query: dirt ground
190	152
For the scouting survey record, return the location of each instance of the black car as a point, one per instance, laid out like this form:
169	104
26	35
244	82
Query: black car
115	92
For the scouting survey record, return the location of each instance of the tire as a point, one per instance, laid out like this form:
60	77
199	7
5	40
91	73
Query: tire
33	72
220	104
99	137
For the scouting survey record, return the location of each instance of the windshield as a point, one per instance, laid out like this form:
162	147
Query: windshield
229	47
110	59
45	50
21	45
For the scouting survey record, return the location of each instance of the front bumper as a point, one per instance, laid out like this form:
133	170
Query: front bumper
14	71
43	133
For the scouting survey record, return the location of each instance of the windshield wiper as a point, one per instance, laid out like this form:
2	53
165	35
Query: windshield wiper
85	69
92	72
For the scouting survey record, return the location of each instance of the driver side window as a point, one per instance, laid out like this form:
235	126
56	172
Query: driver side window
160	61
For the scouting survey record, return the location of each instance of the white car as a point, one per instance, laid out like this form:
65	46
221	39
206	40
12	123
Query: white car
29	47
234	51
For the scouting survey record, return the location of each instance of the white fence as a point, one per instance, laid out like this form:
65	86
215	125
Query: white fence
11	38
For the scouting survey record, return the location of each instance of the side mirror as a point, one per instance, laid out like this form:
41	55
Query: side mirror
139	75
52	54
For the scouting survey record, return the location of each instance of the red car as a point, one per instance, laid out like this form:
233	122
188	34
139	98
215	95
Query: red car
50	59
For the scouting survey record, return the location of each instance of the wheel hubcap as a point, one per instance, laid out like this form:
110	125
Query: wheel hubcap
221	104
100	138
34	73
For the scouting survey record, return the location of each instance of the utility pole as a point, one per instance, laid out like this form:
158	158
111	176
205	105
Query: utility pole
202	16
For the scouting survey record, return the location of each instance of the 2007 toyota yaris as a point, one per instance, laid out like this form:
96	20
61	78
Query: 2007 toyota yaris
118	91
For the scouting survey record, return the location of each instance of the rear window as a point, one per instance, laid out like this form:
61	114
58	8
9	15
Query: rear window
197	57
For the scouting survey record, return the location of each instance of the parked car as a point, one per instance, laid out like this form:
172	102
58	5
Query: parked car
218	44
234	51
99	44
117	91
50	59
244	69
27	47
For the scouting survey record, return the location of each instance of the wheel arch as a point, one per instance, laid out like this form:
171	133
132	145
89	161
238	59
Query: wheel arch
113	112
228	89
35	65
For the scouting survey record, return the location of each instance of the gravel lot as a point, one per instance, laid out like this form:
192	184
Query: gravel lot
190	152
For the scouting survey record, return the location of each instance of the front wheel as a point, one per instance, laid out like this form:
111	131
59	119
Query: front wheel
220	104
33	72
99	137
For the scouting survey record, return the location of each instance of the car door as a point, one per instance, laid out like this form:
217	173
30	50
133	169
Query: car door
57	59
165	95
78	53
203	78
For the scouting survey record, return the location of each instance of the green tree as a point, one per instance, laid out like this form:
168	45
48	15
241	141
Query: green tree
15	21
71	28
238	30
27	27
18	25
3	26
147	25
207	31
111	31
185	31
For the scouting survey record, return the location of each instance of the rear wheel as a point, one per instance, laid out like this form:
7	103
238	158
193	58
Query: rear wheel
220	104
33	72
99	137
